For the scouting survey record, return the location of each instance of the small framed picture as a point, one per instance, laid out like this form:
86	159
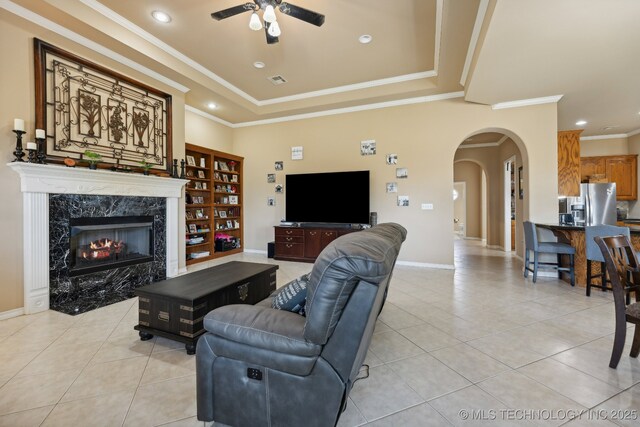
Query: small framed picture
368	148
203	162
190	174
392	187
223	214
204	186
279	165
392	159
225	178
402	173
234	178
215	212
229	224
191	161
193	228
236	223
296	153
198	185
271	201
271	178
199	213
201	174
216	165
279	188
188	215
223	166
403	201
233	200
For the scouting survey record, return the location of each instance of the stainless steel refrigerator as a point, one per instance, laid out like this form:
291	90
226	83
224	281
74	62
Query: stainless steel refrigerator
596	204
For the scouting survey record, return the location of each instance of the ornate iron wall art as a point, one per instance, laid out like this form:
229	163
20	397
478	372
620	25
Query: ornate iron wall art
84	106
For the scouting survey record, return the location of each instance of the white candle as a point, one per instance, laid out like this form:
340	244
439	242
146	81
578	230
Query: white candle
18	124
32	146
40	134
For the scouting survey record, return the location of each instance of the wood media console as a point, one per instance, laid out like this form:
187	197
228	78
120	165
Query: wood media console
175	308
305	243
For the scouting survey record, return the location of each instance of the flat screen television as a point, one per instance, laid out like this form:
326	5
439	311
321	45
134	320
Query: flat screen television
330	197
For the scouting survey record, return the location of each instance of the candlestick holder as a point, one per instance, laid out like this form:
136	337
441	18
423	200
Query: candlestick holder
41	154
33	156
182	175
174	173
18	153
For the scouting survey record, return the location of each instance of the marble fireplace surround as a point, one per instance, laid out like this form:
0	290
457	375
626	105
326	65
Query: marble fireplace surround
38	181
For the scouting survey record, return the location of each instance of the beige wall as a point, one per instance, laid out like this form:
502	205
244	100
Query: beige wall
471	174
425	137
604	147
17	101
207	133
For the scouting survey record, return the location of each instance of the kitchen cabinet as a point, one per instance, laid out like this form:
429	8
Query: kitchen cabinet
623	170
569	162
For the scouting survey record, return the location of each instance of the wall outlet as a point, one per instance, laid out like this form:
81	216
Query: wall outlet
427	206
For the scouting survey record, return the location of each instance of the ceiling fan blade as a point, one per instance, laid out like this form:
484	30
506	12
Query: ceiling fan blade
303	14
232	11
270	38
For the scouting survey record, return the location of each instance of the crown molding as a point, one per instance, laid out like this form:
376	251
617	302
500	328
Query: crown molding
135	29
483	145
376	106
473	42
400	102
208	116
633	133
595	137
81	40
527	102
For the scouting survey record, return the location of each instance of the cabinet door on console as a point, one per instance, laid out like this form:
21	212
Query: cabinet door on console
327	237
312	243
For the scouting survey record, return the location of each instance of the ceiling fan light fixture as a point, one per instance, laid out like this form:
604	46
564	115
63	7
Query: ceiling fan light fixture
269	14
274	29
254	23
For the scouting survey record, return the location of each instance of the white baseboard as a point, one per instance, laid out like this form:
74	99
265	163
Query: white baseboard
473	238
12	313
426	265
255	251
499	247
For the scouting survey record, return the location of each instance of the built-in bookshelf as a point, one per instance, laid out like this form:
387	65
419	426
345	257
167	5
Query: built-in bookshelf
213	204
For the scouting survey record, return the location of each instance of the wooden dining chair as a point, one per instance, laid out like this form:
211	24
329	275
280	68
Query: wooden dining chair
621	263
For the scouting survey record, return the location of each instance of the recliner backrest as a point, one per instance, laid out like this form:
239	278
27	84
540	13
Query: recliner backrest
367	255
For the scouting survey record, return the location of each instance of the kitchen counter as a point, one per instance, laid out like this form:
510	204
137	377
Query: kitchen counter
574	235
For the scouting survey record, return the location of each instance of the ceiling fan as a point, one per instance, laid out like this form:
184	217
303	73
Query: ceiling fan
271	26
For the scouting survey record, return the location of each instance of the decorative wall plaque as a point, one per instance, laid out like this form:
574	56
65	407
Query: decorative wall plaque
84	106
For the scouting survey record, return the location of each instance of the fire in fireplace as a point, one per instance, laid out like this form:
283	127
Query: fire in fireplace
103	243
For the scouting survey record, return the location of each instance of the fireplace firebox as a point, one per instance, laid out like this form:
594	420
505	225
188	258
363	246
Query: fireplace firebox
103	243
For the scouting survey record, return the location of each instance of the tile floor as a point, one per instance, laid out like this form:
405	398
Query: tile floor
479	339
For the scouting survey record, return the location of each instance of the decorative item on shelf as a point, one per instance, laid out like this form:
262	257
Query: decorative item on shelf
32	147
182	174
145	167
232	166
203	163
174	170
118	168
92	157
18	129
69	162
40	138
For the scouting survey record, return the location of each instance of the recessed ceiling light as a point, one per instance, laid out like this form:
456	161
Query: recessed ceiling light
365	39
581	122
258	64
161	16
212	105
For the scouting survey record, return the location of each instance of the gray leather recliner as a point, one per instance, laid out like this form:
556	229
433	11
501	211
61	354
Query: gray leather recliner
258	366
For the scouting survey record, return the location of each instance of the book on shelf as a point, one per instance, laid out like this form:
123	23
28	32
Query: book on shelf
202	254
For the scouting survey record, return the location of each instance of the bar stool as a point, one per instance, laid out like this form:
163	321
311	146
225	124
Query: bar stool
531	244
594	253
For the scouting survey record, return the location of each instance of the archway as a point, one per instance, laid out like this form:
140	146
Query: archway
502	156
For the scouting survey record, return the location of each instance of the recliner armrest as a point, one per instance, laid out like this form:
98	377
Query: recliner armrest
262	327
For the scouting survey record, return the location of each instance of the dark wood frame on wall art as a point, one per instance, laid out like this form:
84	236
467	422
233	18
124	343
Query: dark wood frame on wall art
144	133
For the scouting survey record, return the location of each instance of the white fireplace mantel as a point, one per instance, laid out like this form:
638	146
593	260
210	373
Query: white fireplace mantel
38	181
